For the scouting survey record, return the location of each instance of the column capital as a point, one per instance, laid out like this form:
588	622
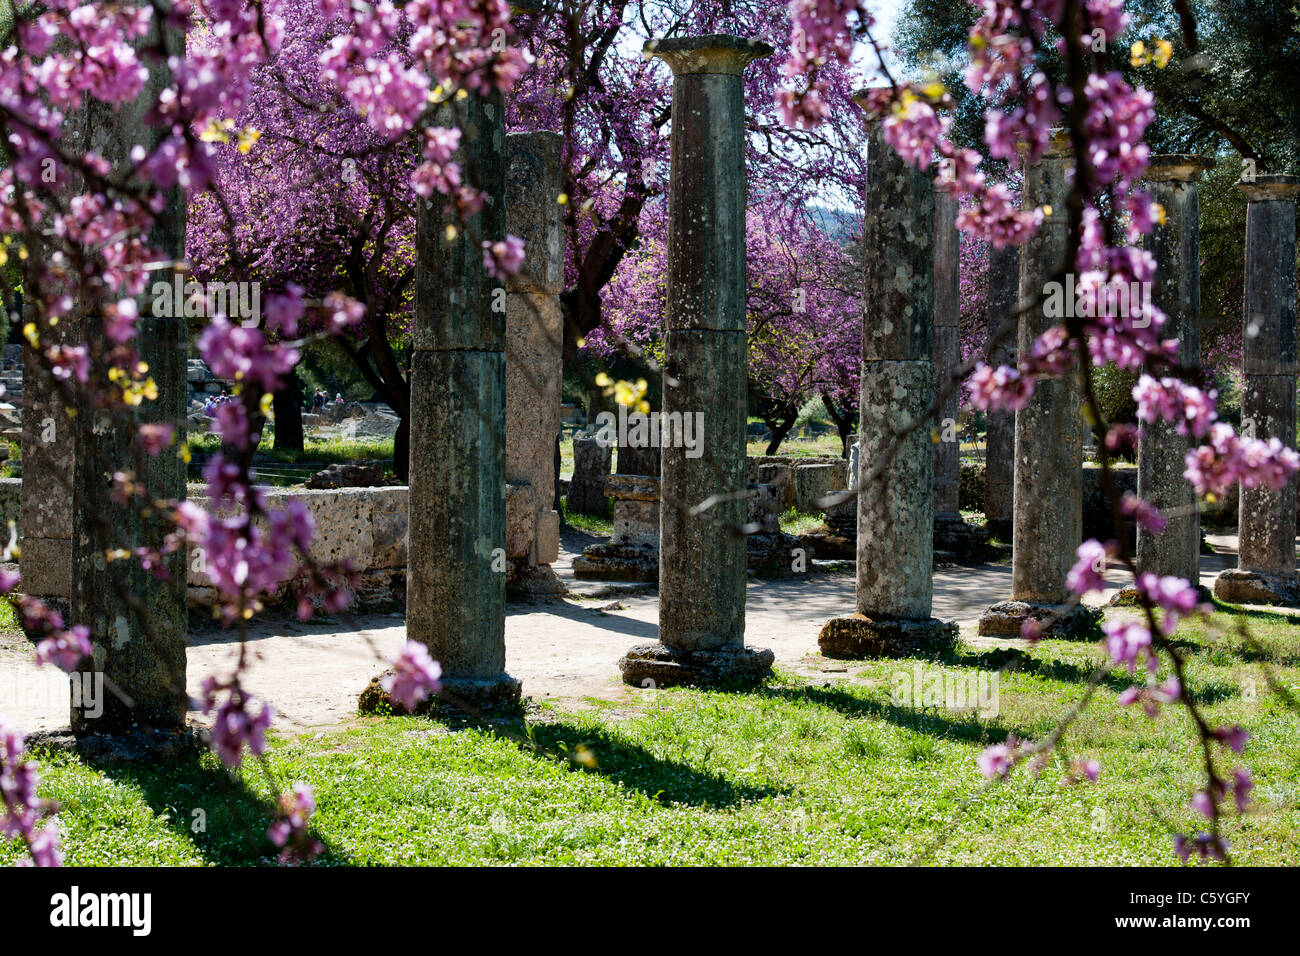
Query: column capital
1265	188
717	53
1177	167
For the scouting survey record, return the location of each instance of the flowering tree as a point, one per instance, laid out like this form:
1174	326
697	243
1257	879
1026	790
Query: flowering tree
1035	66
68	73
324	201
92	227
803	310
614	108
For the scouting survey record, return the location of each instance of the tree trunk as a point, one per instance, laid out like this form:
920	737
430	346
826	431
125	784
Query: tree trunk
287	406
844	420
780	424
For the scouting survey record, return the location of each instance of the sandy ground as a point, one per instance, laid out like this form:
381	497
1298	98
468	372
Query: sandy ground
562	650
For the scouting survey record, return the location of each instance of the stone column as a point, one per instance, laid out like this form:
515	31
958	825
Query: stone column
1000	434
137	622
534	363
1266	554
952	535
591	461
1048	520
456	576
947	356
1161	450
45	498
702	565
895	509
634	459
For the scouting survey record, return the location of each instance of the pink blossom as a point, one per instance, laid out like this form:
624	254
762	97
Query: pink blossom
65	649
415	676
503	259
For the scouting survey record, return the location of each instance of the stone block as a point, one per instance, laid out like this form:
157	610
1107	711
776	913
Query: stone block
546	538
812	483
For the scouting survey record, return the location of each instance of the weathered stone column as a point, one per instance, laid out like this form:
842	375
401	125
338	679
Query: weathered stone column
137	622
1266	554
456	577
1000	432
947	356
45	498
895	509
952	535
591	462
702	548
1161	450
1048	520
534	363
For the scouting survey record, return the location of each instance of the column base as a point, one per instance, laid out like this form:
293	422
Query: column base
618	562
536	580
1005	619
496	696
1236	586
1128	596
658	665
143	743
858	637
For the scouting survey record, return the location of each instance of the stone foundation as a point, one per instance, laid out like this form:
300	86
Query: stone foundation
957	538
1006	618
656	665
1236	586
498	697
632	553
859	637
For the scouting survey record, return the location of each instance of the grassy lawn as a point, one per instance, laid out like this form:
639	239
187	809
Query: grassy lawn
794	773
601	527
328	450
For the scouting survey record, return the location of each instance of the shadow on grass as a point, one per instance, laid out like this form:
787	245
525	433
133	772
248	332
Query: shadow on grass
1270	650
929	722
1016	661
596	751
1281	616
234	818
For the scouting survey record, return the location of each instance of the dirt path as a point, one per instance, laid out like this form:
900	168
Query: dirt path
563	650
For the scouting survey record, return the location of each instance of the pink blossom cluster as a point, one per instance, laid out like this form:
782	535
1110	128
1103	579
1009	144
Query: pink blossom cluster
239	719
820	34
502	259
21	810
998	389
290	830
1152	696
415	675
1229	458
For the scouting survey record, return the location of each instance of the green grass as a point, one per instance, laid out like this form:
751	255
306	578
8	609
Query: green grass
793	773
795	522
328	450
601	527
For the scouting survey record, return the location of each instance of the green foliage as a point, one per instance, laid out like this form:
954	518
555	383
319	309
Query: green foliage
1114	390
